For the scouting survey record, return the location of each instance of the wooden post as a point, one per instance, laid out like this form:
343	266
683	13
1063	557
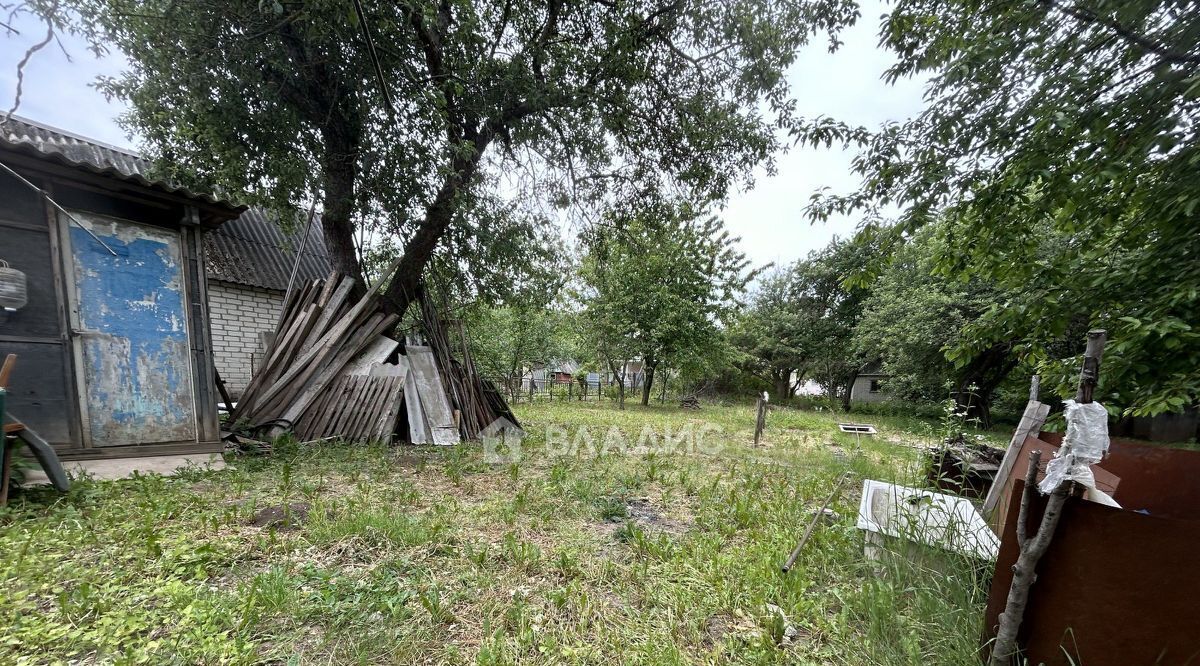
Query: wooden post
223	391
1025	570
1091	366
760	417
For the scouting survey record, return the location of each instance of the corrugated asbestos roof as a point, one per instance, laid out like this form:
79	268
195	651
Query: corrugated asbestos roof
253	250
33	138
250	250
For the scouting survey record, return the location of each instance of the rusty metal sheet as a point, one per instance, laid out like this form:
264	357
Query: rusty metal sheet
133	333
1116	586
1105	480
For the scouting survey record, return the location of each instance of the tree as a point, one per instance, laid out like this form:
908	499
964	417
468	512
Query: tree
392	114
830	296
916	314
507	340
1068	124
659	284
770	333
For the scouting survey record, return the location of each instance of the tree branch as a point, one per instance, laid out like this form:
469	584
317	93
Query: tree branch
1142	41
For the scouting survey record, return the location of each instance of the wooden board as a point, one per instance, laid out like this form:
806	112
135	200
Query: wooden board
1031	422
375	354
439	415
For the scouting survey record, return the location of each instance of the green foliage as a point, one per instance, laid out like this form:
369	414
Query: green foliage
916	318
802	319
507	340
585	101
769	335
658	286
1060	143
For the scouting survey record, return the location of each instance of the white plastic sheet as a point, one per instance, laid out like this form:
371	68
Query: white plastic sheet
1085	444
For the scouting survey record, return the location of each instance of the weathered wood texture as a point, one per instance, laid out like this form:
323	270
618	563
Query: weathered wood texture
327	373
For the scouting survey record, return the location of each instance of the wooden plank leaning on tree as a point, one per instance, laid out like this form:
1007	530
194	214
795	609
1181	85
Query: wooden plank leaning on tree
301	401
350	320
284	330
332	309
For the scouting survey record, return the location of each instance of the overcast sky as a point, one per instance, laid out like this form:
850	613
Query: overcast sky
769	218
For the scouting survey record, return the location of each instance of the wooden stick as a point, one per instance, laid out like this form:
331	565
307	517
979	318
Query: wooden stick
1025	570
791	560
1091	366
10	361
760	418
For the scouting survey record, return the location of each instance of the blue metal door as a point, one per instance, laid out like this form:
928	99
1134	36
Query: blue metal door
131	330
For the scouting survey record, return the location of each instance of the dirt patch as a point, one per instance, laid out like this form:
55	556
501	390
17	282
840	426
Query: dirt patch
646	516
641	512
716	628
281	517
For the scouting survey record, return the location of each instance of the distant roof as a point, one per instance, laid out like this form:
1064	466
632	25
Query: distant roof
254	250
872	369
70	149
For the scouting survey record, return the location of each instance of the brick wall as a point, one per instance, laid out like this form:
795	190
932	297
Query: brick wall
240	315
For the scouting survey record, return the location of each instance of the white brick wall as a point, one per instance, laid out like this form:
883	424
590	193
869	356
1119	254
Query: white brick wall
240	315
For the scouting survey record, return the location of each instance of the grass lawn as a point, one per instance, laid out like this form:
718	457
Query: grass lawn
351	554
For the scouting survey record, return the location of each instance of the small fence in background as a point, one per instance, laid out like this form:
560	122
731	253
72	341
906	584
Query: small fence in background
596	387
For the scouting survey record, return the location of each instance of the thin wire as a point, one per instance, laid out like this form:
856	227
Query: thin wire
55	204
366	31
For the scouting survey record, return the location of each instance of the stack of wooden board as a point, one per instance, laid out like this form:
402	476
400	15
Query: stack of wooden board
357	407
477	401
322	337
332	371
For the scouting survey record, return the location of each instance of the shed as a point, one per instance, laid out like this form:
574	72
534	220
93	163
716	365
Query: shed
115	355
869	384
249	261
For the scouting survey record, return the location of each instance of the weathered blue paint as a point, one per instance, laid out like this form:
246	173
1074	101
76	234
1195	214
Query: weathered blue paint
135	337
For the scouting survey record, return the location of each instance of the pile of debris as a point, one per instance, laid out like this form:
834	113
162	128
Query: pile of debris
331	370
963	467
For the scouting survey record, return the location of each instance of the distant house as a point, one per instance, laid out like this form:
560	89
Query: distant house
249	261
869	386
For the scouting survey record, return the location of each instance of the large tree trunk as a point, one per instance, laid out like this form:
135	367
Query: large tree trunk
339	171
848	391
782	385
419	250
647	383
985	373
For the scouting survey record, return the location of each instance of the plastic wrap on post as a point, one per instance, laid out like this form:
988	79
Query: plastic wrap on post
1084	445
